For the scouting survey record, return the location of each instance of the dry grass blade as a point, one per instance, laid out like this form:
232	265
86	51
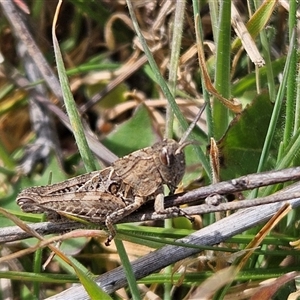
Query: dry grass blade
49	241
108	33
211	285
282	212
247	41
266	292
232	104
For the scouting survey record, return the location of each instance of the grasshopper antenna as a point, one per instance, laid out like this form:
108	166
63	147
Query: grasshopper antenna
191	127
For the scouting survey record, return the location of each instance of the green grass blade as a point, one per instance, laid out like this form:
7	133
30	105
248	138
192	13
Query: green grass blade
71	108
275	114
291	81
128	270
87	280
222	75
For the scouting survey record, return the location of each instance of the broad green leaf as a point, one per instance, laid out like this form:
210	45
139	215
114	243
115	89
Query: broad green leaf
116	96
134	134
240	148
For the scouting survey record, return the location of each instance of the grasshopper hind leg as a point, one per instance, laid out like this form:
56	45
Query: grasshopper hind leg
119	214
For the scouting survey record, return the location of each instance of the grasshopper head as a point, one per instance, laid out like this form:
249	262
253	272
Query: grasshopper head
170	162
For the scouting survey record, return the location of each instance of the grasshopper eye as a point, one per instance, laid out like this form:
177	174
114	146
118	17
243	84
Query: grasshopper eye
165	157
114	188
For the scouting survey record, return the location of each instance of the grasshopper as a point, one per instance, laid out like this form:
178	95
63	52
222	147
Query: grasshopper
107	196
